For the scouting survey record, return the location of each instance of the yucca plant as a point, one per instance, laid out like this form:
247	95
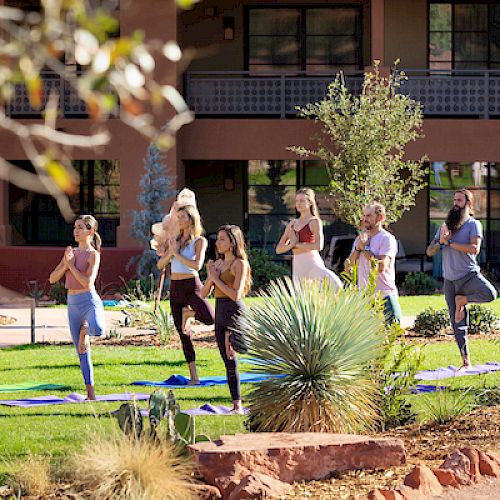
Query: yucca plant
320	344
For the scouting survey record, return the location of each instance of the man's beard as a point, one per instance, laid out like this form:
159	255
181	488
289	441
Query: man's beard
455	216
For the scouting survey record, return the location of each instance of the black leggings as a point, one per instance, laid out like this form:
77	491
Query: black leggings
185	293
226	310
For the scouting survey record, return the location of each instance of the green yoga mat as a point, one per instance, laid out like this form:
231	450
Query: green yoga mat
31	386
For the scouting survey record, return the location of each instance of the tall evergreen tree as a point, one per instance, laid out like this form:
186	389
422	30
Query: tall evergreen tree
156	187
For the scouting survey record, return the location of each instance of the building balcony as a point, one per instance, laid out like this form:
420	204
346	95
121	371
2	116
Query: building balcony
70	105
450	93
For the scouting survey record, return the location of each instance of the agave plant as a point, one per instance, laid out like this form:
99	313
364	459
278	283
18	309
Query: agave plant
319	345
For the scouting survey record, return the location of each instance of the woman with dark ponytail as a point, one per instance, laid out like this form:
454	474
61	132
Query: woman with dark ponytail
80	266
230	277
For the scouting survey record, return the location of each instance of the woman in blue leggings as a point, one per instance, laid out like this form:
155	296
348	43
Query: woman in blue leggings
80	266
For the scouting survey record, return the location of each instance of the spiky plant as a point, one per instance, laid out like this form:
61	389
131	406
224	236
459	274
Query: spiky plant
321	344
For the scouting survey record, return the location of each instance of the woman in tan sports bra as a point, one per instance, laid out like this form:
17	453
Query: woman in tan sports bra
304	237
229	276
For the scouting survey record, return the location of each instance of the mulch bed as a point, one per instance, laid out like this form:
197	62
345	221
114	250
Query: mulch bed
425	444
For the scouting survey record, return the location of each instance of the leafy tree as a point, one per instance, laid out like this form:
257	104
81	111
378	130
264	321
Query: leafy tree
59	37
156	187
363	144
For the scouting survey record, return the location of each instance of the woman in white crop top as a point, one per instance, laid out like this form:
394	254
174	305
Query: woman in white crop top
187	254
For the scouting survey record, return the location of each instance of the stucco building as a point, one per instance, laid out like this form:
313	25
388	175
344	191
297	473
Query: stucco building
253	62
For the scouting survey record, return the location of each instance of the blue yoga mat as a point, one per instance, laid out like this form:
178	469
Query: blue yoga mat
72	398
181	382
452	371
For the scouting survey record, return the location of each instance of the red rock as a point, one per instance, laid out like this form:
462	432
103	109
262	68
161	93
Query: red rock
460	465
206	491
488	465
473	456
259	486
391	494
447	477
375	495
410	493
423	479
293	457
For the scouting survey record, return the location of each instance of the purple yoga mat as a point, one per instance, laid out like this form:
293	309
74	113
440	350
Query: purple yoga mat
206	409
74	397
452	371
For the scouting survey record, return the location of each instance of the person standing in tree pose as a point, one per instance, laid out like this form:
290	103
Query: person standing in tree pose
375	242
230	276
80	266
459	238
304	237
187	253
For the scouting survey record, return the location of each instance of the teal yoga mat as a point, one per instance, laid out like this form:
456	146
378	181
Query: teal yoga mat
32	386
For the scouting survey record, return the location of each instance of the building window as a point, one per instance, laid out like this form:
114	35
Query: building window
271	199
464	35
305	39
36	220
483	179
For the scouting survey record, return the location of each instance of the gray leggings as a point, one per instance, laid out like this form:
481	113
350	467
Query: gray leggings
477	289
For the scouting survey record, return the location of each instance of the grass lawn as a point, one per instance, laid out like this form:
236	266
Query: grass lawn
411	305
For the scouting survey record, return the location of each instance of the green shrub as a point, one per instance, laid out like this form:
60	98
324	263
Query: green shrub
163	324
264	269
402	361
58	293
431	321
419	284
141	289
482	319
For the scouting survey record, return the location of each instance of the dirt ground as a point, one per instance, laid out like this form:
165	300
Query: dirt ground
425	444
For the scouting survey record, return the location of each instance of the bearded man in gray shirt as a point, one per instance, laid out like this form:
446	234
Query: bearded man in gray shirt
459	238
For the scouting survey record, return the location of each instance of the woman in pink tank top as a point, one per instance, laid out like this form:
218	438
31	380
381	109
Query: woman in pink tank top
79	266
304	237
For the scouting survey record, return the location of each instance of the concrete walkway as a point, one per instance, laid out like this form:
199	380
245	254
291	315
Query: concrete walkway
51	325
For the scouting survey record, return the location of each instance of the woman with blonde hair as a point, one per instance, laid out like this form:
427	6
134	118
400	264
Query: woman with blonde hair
80	266
304	237
187	253
230	277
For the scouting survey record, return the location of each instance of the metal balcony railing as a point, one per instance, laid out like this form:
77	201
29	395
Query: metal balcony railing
442	93
69	102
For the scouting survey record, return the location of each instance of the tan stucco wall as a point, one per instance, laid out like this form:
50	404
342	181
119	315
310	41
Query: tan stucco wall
406	33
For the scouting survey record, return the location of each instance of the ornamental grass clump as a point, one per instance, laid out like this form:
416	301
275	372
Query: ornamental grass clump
126	467
320	345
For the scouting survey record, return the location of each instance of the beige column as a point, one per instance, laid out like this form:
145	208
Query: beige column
378	31
5	227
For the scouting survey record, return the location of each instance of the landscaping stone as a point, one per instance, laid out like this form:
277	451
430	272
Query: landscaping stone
206	491
373	495
460	465
447	477
423	479
258	486
293	457
489	464
473	455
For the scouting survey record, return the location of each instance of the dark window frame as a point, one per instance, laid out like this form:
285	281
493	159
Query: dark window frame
302	35
488	62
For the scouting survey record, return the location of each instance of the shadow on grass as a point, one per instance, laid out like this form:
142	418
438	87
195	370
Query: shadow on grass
161	363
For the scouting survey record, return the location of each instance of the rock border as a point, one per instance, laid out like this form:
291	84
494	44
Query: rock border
461	468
